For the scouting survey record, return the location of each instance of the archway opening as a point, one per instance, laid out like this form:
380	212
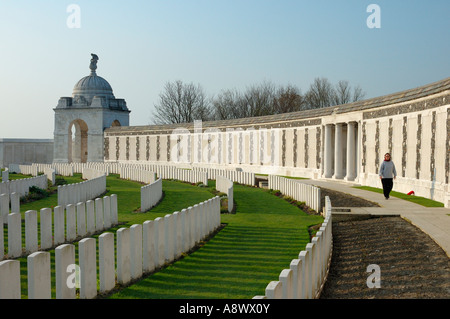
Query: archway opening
115	123
78	142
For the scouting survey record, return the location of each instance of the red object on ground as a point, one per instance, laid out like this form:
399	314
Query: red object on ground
411	193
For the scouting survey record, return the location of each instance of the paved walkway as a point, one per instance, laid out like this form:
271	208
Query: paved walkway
434	221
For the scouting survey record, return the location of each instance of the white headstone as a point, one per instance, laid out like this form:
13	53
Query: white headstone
39	279
10	279
46	228
136	251
65	272
88	268
71	226
106	262
98	214
14	235
59	227
81	219
148	238
123	256
31	231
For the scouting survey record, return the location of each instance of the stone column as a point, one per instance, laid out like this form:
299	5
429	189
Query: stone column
61	148
351	152
338	150
95	146
328	151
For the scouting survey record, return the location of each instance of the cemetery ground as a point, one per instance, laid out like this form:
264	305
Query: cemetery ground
263	236
253	246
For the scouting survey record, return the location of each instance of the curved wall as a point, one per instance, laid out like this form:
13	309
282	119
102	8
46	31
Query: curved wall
345	142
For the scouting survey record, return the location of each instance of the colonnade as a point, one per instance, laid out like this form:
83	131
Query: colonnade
341	151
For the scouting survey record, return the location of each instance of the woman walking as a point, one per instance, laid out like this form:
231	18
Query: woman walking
387	174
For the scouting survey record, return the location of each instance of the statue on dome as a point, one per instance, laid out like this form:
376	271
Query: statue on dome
93	65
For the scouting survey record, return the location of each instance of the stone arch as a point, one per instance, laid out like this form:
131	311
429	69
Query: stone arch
77	141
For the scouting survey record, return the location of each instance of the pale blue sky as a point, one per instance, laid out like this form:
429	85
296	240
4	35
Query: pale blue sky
220	44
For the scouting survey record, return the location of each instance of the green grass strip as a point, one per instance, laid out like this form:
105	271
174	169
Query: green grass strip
412	198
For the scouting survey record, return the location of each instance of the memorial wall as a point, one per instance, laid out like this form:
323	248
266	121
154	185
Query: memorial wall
345	142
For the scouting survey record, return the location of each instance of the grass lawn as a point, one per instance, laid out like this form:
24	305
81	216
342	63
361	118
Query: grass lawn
412	198
259	241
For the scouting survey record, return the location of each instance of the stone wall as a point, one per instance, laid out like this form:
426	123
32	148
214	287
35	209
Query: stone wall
25	151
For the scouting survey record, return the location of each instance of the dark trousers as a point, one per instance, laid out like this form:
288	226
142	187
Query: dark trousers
388	183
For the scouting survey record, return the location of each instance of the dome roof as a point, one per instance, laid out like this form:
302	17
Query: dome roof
92	85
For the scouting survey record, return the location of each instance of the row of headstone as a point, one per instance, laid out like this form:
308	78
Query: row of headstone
81	192
306	274
225	185
185	175
138	175
151	194
34	170
51	174
69	223
23	169
91	173
22	186
5	201
165	171
140	249
302	192
241	177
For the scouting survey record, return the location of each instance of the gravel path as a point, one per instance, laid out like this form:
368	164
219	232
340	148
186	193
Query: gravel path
411	264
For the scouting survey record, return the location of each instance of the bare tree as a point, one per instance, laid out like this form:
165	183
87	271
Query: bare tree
358	94
320	94
259	100
288	99
181	103
343	93
266	99
228	105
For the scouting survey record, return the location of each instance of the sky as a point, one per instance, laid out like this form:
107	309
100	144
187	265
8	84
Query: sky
46	46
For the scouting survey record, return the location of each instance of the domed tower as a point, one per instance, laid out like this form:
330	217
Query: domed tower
81	119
